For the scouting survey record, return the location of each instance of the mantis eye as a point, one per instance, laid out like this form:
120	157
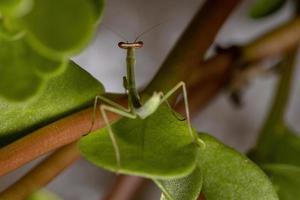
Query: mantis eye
140	43
121	44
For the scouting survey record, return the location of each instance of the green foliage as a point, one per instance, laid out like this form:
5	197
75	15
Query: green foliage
187	188
286	179
43	195
263	8
20	69
278	153
277	149
63	94
38	37
59	28
228	174
279	145
98	6
15	8
223	173
159	146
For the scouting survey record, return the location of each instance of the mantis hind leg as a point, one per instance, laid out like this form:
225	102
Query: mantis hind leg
103	110
181	85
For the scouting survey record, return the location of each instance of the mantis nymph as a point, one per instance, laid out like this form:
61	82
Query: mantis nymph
137	109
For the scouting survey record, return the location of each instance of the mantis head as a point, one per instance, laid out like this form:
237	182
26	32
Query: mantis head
134	45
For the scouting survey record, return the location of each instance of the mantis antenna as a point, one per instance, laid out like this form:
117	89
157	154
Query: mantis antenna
149	30
146	31
114	31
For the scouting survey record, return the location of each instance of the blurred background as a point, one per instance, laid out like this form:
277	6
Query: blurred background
105	61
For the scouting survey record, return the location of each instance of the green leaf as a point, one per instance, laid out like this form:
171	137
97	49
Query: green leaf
158	147
9	30
20	70
43	195
47	68
228	174
287	148
98	7
280	146
15	8
10	34
187	188
60	28
263	8
286	179
64	94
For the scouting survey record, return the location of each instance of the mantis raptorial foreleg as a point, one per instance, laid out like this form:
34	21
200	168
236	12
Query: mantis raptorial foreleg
186	105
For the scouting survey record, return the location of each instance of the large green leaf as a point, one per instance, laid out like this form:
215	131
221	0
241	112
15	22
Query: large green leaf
263	8
15	8
60	28
287	148
20	67
159	146
187	188
70	91
280	146
9	33
286	179
228	174
98	6
278	152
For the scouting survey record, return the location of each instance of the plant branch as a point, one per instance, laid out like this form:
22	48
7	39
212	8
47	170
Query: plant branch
53	136
189	51
280	40
42	174
281	98
126	188
274	124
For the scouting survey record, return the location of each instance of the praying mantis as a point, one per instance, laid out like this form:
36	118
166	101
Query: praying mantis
137	109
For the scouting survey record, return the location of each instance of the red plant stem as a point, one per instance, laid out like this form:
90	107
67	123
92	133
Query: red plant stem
53	136
134	185
189	51
282	39
42	174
